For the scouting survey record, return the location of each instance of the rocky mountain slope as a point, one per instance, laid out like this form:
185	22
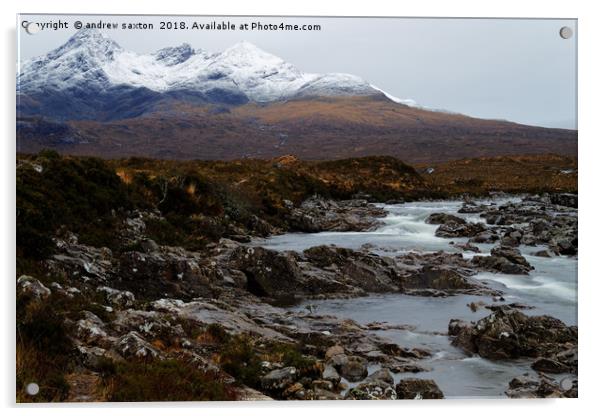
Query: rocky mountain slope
90	64
92	97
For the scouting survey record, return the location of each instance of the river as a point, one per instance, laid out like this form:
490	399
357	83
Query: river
551	288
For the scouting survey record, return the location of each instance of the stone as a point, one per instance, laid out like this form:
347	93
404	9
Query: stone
548	365
468	247
566	199
415	388
471	208
133	345
317	214
295	390
120	298
149	246
381	375
504	259
485	237
372	390
353	368
334	350
462	333
511	254
508	333
451	230
90	328
321	394
442	218
268	272
439	278
323	384
279	379
529	387
33	287
331	374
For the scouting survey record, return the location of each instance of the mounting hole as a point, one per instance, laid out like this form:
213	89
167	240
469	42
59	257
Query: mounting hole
566	32
32	389
566	384
32	28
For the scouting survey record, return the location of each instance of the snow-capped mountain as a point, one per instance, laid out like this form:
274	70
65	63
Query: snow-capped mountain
92	97
91	62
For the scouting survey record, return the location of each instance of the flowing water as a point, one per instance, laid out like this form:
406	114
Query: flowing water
551	288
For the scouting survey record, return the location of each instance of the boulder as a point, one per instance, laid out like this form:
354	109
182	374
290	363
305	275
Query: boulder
566	199
511	254
462	333
149	246
269	273
294	391
471	208
334	350
321	394
372	390
468	247
353	368
416	388
509	333
549	365
279	379
132	345
317	214
32	287
439	278
330	374
564	245
119	298
452	229
382	375
485	237
503	259
529	387
90	328
357	269
442	218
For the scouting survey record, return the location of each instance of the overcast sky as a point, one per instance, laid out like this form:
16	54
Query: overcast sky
518	70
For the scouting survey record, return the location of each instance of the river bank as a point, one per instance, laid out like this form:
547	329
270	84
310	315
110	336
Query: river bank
385	312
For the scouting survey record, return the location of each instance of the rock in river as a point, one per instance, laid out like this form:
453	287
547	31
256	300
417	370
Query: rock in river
509	333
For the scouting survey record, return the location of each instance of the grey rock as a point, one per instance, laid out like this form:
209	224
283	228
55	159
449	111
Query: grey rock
415	388
279	379
32	287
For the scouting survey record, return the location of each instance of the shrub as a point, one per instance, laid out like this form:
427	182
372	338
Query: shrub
238	358
83	194
169	380
43	350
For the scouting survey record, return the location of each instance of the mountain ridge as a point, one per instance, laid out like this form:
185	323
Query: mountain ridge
92	97
242	73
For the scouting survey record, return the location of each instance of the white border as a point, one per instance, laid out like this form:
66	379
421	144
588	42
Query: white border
589	175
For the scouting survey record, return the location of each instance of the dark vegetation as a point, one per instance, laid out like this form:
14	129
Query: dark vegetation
513	174
198	202
168	380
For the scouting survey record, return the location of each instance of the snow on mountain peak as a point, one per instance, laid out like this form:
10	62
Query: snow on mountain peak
173	55
92	42
246	53
93	61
